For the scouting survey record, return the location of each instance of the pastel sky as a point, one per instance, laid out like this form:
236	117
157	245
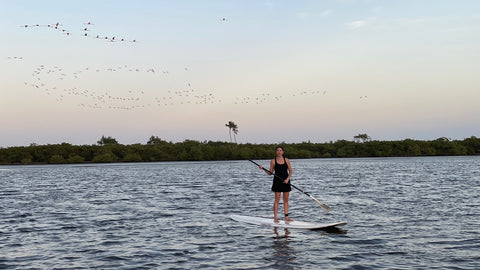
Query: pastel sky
283	71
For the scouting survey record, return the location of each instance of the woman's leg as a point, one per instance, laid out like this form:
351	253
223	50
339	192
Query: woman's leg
275	206
285	206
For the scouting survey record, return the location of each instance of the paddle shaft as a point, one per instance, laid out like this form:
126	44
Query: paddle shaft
324	206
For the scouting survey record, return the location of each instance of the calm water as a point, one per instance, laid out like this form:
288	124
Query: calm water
402	213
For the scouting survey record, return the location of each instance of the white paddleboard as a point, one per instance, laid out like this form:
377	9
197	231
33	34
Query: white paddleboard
285	224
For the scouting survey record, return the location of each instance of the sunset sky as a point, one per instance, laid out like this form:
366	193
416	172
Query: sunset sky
283	71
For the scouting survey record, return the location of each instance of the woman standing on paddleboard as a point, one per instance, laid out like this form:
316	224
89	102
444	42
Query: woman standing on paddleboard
281	168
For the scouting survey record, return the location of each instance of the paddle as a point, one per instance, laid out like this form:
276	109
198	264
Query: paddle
324	206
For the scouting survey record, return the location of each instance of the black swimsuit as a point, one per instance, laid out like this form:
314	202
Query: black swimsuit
281	170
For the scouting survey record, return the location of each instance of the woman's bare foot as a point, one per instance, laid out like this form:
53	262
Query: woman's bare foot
275	219
288	219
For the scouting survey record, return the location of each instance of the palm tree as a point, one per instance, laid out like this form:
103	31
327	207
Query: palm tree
232	127
235	132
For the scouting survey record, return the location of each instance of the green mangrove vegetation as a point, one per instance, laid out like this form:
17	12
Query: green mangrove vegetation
108	150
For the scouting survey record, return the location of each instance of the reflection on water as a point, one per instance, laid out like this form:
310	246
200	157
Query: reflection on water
278	236
283	253
332	230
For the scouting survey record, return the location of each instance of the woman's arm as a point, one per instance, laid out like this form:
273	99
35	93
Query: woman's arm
271	167
289	170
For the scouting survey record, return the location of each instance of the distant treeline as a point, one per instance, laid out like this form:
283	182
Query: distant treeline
109	150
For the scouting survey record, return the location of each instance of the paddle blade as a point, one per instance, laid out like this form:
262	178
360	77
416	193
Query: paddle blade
324	206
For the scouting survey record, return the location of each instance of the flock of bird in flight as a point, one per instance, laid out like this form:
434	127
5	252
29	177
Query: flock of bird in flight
85	31
61	84
56	82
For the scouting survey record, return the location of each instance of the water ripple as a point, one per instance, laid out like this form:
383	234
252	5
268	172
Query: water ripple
402	213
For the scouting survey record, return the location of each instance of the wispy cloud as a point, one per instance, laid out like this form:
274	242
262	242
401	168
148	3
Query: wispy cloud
355	24
325	13
359	23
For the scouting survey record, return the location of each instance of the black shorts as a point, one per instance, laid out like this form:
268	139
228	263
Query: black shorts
279	186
